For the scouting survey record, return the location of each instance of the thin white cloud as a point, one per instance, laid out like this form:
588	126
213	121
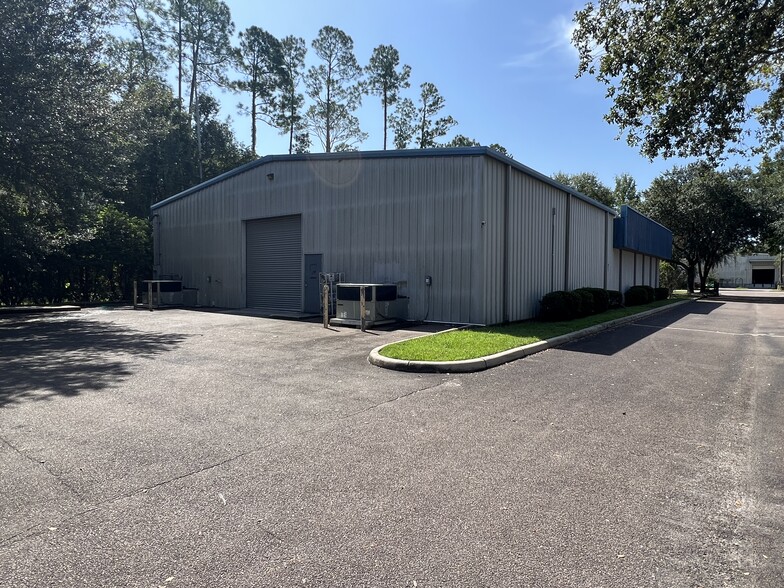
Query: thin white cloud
556	41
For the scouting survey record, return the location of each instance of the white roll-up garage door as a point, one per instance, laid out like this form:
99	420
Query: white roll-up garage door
274	263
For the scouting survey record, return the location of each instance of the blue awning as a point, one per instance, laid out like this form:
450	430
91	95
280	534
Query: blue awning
633	231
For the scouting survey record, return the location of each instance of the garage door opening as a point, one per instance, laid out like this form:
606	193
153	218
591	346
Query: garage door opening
274	263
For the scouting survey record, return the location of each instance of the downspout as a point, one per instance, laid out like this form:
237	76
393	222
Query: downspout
505	284
567	244
552	252
606	248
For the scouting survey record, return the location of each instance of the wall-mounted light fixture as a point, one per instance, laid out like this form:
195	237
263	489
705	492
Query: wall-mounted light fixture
270	176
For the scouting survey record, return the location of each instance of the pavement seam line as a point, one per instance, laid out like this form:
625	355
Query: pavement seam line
391	400
24	533
43	465
19	536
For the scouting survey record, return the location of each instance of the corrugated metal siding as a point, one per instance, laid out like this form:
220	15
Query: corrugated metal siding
377	220
534	255
274	263
537	213
396	220
636	232
587	246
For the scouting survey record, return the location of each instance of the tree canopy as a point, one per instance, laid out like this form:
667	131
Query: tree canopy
684	75
711	214
588	184
108	107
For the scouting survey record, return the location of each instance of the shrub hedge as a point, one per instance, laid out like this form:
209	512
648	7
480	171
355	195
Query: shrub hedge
563	305
661	293
601	298
637	295
585	305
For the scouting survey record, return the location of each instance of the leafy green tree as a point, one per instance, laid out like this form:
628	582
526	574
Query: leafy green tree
429	128
157	146
671	276
333	87
710	213
56	134
261	63
768	194
201	31
221	150
117	252
625	191
290	101
55	98
501	149
385	79
462	141
681	73
141	56
403	123
588	184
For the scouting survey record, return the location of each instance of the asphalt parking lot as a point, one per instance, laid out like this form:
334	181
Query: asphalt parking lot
185	448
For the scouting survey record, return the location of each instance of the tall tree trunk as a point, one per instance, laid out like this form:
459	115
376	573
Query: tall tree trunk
327	118
253	120
179	53
291	134
385	117
422	126
690	274
198	137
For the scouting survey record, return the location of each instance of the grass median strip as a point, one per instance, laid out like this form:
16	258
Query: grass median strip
481	341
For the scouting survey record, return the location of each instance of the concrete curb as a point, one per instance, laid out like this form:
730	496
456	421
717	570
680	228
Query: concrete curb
7	310
489	361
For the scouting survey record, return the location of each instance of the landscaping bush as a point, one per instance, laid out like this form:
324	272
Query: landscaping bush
637	295
601	299
560	306
651	293
661	293
586	302
615	298
554	306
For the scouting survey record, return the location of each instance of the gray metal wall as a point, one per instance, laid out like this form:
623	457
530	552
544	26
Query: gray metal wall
495	237
529	227
376	220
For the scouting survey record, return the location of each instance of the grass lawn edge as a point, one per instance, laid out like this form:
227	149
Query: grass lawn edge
505	356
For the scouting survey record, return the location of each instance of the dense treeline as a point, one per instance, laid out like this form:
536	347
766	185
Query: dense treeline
107	107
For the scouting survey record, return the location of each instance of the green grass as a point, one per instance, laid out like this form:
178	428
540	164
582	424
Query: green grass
481	341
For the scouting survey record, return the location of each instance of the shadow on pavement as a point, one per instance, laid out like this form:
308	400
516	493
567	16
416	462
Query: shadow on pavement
46	358
616	340
771	299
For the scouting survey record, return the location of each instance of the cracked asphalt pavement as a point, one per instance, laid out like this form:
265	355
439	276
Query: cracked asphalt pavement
187	448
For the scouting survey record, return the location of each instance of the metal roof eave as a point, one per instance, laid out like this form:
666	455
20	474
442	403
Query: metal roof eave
435	152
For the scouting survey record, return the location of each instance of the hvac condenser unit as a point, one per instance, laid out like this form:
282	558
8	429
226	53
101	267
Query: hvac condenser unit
382	305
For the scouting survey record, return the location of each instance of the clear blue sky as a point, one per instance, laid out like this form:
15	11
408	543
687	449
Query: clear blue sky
505	68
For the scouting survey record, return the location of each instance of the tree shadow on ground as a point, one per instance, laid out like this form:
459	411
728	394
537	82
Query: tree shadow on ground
43	357
772	299
615	340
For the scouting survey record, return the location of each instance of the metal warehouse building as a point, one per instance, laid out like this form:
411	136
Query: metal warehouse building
491	234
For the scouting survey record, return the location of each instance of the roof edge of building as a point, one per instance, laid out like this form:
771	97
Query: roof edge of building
401	153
